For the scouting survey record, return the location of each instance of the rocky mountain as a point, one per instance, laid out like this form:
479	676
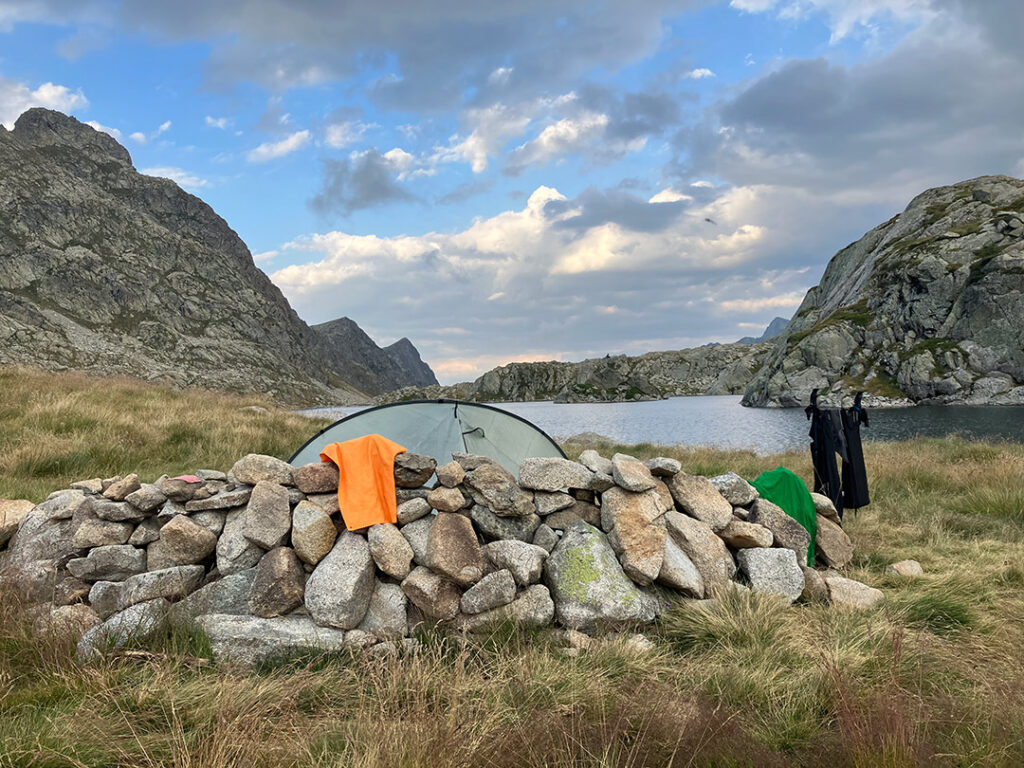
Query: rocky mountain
925	308
107	270
714	370
367	366
775	327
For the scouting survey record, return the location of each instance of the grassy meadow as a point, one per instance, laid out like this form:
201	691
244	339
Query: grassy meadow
935	676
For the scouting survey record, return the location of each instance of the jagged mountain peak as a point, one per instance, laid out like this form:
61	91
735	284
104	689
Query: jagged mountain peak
39	127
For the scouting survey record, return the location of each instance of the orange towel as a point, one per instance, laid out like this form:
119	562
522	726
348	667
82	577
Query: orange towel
366	489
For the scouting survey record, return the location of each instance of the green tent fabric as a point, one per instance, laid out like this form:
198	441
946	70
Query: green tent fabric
784	488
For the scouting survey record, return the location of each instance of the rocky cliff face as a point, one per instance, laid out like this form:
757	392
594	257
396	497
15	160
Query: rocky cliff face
926	308
107	270
724	369
370	368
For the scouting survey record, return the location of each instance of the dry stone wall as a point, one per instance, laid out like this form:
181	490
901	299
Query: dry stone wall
259	557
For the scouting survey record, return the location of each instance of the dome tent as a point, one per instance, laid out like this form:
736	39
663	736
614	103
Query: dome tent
439	428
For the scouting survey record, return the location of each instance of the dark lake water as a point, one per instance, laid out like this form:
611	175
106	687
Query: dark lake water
722	422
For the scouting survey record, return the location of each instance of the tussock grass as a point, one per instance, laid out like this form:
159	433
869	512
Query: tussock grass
58	428
934	676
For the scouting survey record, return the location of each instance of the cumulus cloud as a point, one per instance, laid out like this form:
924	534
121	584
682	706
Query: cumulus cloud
271	150
362	180
343	134
844	16
221	123
179	176
105	128
699	74
16	97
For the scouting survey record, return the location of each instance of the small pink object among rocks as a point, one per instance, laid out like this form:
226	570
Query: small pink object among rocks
188	478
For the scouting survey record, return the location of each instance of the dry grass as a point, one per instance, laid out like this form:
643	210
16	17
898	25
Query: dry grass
934	677
58	428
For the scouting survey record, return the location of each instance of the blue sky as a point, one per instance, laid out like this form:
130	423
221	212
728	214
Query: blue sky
538	180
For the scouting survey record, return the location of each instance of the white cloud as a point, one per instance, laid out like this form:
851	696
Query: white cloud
845	17
164	127
220	123
500	75
105	128
492	127
790	300
699	74
271	150
179	176
340	135
16	97
266	257
138	137
669	195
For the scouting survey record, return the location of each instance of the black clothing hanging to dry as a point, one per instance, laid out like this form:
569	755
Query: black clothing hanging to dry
837	431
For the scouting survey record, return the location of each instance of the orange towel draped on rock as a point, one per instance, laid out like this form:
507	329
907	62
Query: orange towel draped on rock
366	487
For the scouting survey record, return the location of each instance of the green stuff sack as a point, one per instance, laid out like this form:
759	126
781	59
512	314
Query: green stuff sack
785	488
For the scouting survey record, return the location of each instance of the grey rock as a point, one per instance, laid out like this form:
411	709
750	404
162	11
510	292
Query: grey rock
628	519
553	474
234	551
170	583
708	552
595	462
313	532
662	466
213	520
268	516
417	533
679	572
279	584
182	542
65	621
147	498
698	498
413	470
105	598
823	506
580	510
453	550
740	535
63	505
413	509
772	572
492	591
631	474
178	489
735	489
93	485
211	474
494	487
847	594
93	532
223	500
119	490
110	563
446	499
815	590
256	468
320	477
386	615
228	594
250	640
907	568
533	609
137	623
390	550
548	502
831	544
450	474
116	511
328	502
787	532
339	589
525	561
433	594
492	526
588	586
545	537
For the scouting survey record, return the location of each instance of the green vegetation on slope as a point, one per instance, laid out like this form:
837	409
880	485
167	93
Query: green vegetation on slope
935	676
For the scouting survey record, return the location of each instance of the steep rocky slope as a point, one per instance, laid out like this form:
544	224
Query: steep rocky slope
370	368
107	270
926	308
716	370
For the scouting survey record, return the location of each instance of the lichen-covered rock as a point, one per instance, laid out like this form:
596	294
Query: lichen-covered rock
249	640
279	584
433	594
708	552
339	589
386	615
105	598
268	516
182	541
851	595
786	531
735	489
413	470
533	609
525	561
772	572
549	502
553	474
93	532
115	562
257	468
741	535
117	511
319	477
494	527
390	550
138	623
492	486
228	594
170	583
631	474
212	520
313	532
234	551
831	544
698	498
492	591
545	537
453	550
587	584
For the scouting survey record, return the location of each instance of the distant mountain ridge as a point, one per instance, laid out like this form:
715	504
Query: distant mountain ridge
775	327
104	269
925	308
722	369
